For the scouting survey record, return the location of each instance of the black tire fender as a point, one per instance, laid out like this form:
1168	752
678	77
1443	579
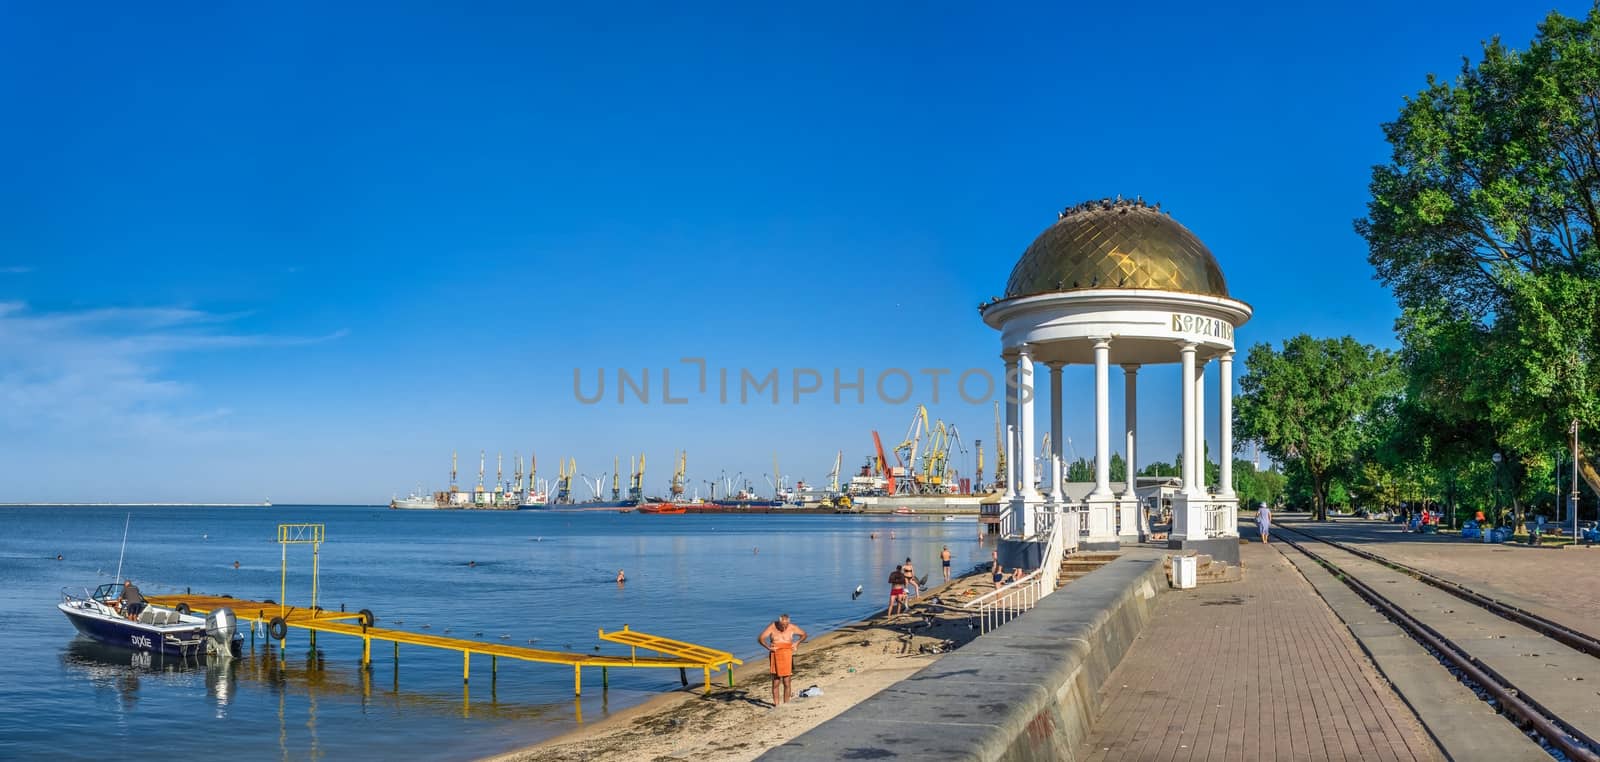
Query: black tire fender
277	628
183	608
367	619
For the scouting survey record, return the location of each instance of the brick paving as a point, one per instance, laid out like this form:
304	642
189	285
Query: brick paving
1259	669
1550	582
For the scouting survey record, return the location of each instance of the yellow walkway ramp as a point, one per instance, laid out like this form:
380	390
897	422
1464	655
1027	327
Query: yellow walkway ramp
708	658
678	653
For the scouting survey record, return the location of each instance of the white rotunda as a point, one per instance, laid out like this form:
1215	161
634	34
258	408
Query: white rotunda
1115	282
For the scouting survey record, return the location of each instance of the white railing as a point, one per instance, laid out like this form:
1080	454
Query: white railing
1216	520
1012	600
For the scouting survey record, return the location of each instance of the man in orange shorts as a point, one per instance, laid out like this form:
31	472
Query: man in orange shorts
780	639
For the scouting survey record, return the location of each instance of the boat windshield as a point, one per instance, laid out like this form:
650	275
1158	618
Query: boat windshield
108	592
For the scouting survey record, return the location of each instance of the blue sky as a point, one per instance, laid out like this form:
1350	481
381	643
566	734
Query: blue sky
305	254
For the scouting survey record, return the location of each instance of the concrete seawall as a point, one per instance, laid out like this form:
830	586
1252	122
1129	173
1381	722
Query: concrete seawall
1027	691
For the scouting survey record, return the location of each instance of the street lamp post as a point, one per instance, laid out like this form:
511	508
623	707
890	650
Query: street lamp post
1498	513
1572	501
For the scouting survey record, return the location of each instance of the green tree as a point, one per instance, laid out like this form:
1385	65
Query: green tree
1483	224
1119	469
1305	405
1161	468
1080	470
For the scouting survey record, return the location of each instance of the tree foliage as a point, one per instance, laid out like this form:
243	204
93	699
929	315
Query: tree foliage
1305	404
1483	224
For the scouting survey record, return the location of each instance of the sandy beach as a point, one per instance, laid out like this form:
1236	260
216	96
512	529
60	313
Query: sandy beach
848	664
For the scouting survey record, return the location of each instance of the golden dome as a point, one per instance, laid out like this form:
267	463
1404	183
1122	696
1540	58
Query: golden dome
1116	244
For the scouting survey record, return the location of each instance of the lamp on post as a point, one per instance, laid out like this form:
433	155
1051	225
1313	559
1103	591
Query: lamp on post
1498	518
1572	501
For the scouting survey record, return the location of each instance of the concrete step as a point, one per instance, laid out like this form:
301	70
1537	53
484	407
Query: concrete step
1212	573
1105	556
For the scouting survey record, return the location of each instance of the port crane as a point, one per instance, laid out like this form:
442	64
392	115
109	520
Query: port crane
999	453
977	484
564	480
678	475
905	454
636	480
884	468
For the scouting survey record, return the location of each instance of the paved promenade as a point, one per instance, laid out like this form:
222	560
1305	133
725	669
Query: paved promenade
1255	670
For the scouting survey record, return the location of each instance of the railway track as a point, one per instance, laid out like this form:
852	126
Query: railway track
1557	733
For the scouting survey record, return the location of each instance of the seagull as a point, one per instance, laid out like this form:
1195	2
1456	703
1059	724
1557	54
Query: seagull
856	594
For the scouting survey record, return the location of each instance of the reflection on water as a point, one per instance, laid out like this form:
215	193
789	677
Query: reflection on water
687	578
309	674
123	670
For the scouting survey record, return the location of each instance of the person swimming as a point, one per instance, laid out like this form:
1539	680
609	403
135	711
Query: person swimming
621	578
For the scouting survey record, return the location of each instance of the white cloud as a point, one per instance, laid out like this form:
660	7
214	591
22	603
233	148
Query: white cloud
101	370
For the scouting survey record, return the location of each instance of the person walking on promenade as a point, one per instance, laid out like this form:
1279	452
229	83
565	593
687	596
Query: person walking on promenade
780	639
1264	521
944	559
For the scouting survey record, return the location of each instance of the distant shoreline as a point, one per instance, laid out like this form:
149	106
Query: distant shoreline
184	505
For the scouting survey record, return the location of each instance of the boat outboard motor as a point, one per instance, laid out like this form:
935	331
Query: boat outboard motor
222	633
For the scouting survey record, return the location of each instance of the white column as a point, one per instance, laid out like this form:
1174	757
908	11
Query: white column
1130	393
1009	442
1102	418
1188	421
1056	497
1225	425
1025	398
1200	424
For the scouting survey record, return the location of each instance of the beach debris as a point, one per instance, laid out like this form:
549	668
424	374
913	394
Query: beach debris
811	692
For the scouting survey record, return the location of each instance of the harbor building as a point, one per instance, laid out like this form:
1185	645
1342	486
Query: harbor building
1114	282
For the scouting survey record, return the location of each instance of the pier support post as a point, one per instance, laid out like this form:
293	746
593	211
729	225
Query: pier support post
708	680
577	680
466	666
605	679
366	652
397	653
683	677
494	668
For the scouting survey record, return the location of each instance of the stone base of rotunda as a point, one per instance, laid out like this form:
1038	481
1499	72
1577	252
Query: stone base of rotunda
1027	554
1101	513
1219	548
1189	527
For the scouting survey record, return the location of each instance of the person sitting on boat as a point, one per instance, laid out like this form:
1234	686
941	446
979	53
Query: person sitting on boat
132	600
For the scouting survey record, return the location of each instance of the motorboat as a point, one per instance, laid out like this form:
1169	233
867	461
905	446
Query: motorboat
103	616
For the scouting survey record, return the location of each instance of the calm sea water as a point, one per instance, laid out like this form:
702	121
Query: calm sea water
545	577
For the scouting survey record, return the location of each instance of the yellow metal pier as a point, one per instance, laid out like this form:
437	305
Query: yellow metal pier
279	617
676	653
